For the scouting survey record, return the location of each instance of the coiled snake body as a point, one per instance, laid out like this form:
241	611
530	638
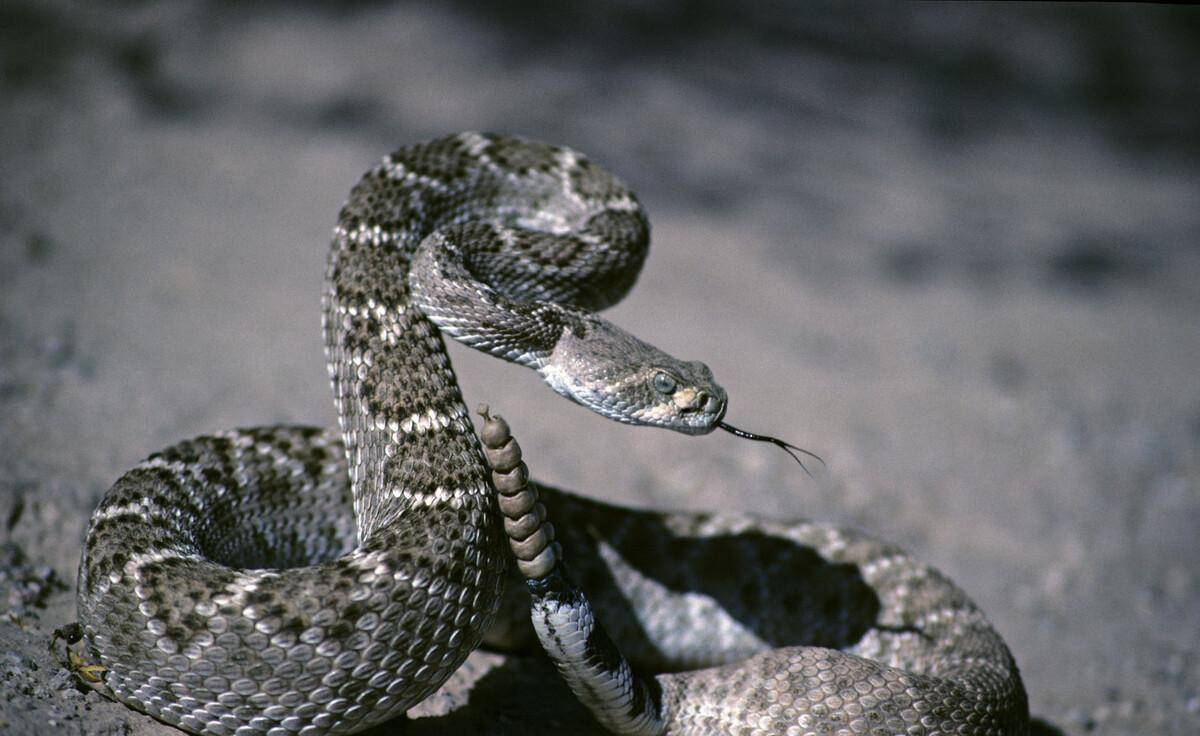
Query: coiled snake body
298	580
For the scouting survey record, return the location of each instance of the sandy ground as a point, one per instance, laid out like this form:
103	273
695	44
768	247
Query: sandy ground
955	249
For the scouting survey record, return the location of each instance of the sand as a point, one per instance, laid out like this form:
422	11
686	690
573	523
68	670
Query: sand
954	249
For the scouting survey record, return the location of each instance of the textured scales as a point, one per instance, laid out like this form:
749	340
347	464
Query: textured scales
296	580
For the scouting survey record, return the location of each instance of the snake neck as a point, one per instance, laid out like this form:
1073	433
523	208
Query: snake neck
433	237
410	444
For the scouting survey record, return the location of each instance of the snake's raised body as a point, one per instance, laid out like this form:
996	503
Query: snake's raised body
298	580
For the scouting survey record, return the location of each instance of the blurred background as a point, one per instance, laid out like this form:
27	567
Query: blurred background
955	249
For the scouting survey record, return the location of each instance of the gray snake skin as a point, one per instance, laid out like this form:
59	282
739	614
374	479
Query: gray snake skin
284	580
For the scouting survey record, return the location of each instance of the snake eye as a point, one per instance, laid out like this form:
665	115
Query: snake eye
663	383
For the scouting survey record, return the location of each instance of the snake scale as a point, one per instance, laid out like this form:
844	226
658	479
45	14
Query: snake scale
287	579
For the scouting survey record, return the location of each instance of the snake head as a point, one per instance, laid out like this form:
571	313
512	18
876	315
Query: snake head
615	374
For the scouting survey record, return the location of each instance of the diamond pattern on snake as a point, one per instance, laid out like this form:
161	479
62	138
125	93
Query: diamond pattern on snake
284	579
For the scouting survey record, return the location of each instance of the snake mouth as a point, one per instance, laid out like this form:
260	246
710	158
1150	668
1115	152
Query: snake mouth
719	420
703	418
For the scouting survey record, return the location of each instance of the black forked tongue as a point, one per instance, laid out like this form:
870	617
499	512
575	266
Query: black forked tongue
787	447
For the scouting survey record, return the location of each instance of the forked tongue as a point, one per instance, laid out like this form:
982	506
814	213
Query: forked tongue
785	446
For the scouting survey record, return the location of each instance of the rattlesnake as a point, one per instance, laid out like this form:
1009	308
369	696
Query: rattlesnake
300	580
